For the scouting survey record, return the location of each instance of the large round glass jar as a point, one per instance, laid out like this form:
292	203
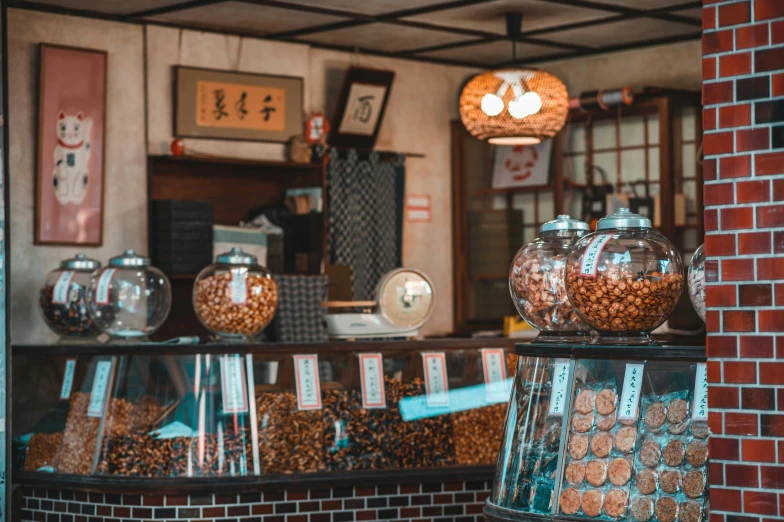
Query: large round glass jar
624	279
697	281
235	297
129	298
537	282
63	298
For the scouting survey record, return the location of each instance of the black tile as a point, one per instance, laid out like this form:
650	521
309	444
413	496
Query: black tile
354	503
342	492
399	501
67	494
387	490
752	88
288	507
345	516
27	515
464	498
321	517
132	500
432	511
377	502
65	517
165	513
52	517
769	111
777	136
33	503
95	519
387	514
250	519
225	499
453	510
74	507
445	519
421	500
88	509
96	498
307	507
468	519
320	493
274	496
47	505
113	499
245	498
206	500
432	488
53	494
189	513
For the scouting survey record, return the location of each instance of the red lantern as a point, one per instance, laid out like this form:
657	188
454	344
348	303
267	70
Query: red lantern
177	147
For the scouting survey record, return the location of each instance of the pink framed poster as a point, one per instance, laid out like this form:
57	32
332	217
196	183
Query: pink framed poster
71	125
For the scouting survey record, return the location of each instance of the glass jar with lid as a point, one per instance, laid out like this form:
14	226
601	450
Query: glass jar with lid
235	298
537	282
62	299
697	281
130	297
624	279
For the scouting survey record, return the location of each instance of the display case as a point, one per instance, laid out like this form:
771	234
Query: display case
604	433
102	414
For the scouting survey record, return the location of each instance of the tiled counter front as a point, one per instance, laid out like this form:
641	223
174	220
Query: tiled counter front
432	502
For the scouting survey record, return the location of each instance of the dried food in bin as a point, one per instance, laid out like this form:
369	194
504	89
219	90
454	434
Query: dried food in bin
582	423
700	429
601	444
690	511
615	502
666	509
584	402
646	481
605	422
578	446
650	453
606	402
625	439
655	415
596	472
694	484
673	453
670	481
697	453
570	501
477	434
677	411
575	472
290	440
42	450
593	499
620	471
63	298
642	509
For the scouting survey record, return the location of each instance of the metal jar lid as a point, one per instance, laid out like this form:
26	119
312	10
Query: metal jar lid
623	218
236	256
129	258
564	222
80	262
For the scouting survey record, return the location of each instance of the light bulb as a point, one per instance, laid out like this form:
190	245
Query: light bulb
527	104
492	105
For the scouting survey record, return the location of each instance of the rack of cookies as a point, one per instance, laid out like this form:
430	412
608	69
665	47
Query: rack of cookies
632	439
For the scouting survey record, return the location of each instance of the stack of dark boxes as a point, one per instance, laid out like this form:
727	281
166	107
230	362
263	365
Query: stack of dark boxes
181	235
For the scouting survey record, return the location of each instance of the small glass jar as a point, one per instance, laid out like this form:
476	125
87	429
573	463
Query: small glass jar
624	279
235	298
129	298
537	282
62	300
697	281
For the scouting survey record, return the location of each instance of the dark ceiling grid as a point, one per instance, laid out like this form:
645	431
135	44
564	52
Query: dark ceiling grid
473	37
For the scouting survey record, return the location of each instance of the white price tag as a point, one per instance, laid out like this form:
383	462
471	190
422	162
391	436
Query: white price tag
68	377
371	368
699	410
308	385
494	368
239	286
61	287
590	262
100	386
102	287
560	383
235	394
436	382
630	396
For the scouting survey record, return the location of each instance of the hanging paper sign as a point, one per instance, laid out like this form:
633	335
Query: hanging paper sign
494	367
308	385
699	410
371	368
630	396
590	262
239	286
436	383
100	384
235	395
560	383
61	287
418	208
102	287
68	377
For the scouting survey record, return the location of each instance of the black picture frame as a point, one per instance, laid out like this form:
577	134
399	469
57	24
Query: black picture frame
359	76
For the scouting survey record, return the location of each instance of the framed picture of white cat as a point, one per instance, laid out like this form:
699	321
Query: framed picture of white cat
71	127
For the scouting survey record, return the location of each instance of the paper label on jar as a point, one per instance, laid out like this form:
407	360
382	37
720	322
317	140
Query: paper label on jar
699	410
62	286
308	385
100	386
102	287
239	286
68	377
235	393
494	368
371	368
630	396
560	383
590	262
436	382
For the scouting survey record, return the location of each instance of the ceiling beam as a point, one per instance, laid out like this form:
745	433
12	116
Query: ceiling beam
658	14
173	8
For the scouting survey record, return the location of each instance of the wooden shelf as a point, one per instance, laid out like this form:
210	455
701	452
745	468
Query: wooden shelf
525	189
220	160
489	277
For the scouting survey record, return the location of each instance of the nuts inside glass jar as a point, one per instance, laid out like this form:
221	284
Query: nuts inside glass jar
219	313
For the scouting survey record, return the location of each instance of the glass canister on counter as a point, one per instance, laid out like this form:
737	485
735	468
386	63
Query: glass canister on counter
235	298
63	298
537	282
625	279
697	281
130	297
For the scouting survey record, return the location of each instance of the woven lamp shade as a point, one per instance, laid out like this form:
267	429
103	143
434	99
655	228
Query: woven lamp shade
509	85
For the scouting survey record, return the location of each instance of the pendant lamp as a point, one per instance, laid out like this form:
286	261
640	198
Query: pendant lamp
514	106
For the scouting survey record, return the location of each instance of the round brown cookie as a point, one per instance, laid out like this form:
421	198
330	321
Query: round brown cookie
642	509
584	401
678	428
677	410
655	415
575	472
666	509
605	402
650	453
673	453
646	481
697	453
601	444
700	429
690	511
582	422
570	501
693	484
620	471
670	481
625	439
615	502
629	422
605	422
578	446
592	502
596	472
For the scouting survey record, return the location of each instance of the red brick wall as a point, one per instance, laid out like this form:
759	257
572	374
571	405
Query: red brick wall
743	115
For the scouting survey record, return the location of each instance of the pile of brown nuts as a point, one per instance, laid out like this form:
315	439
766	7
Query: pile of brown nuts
290	440
42	450
214	307
478	434
613	301
79	438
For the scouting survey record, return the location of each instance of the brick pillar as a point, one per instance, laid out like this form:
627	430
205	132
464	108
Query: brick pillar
743	117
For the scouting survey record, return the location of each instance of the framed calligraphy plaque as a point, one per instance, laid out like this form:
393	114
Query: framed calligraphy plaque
361	105
232	105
